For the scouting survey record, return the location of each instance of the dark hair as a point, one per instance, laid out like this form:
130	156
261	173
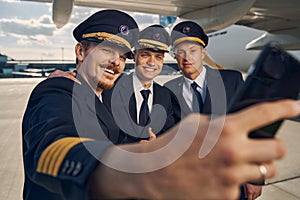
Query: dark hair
86	44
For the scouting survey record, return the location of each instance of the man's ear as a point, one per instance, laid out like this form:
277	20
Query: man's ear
79	51
134	55
203	53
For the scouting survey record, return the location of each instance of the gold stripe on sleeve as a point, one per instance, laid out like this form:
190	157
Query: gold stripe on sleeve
54	155
47	155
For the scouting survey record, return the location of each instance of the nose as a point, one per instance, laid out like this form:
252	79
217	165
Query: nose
151	60
115	59
186	56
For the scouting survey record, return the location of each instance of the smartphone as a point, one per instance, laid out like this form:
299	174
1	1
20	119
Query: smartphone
274	75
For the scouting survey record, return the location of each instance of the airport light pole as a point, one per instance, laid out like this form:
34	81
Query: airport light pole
62	54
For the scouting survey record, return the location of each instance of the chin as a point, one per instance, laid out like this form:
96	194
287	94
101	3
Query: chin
105	85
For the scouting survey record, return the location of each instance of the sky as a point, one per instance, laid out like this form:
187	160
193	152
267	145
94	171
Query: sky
27	31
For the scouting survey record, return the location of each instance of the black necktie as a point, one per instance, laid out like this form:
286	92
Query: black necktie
197	105
144	112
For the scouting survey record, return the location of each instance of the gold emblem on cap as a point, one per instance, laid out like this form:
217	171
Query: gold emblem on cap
124	30
186	29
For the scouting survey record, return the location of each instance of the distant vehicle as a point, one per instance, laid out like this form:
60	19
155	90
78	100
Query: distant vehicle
34	72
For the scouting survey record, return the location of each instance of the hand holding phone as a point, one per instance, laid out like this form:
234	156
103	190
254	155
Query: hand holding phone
274	75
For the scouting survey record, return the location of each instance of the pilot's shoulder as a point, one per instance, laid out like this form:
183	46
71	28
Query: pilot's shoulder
162	88
230	72
53	85
173	82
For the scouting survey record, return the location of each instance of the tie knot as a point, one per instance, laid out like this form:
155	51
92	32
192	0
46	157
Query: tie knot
145	94
194	85
197	98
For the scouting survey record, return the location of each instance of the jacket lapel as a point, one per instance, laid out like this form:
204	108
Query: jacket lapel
94	107
215	101
127	96
185	109
125	106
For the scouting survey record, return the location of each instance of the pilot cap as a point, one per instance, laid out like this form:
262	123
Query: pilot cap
111	26
154	37
188	31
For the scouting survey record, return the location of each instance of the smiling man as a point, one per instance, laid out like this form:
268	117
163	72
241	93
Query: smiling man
65	120
68	135
108	63
201	88
148	104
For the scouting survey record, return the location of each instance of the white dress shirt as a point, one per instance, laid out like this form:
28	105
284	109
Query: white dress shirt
137	87
187	90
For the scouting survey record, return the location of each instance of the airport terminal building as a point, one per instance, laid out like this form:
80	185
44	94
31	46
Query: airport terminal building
11	68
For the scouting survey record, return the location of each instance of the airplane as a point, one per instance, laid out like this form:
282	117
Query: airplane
234	26
34	72
279	18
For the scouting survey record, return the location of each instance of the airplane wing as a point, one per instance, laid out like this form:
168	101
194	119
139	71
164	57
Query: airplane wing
27	74
34	72
280	18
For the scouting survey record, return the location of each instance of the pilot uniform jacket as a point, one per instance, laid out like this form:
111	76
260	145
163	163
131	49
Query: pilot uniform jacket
221	87
122	102
65	129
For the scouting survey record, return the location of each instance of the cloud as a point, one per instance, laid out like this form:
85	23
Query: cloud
145	20
81	13
11	1
45	20
48	54
29	41
40	26
27	29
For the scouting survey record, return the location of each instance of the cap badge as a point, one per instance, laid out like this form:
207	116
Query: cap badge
156	36
124	30
186	29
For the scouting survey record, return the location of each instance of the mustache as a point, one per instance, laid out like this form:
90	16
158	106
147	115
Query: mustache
113	68
187	63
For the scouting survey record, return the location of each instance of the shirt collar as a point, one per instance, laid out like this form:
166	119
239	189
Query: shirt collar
137	85
200	80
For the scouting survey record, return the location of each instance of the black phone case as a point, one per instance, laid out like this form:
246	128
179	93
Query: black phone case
274	75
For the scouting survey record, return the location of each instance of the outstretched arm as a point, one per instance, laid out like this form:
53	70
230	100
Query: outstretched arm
59	73
232	161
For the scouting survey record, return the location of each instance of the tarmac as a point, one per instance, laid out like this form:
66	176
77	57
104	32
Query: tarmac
14	94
